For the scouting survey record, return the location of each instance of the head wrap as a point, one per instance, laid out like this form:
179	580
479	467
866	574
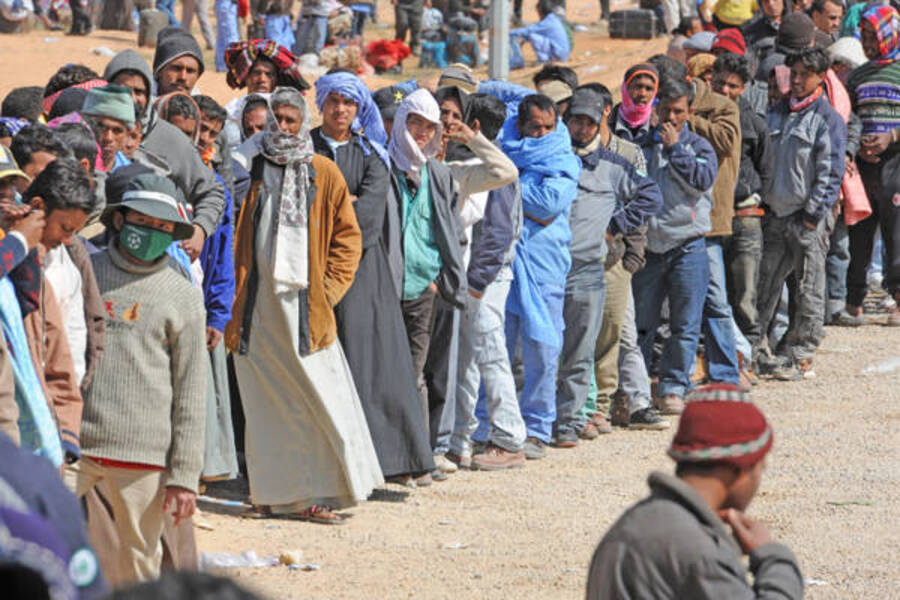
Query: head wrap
848	50
404	151
71	100
633	114
796	32
172	43
294	152
240	56
721	425
47	102
368	119
699	64
730	40
700	42
886	22
14	124
112	102
161	106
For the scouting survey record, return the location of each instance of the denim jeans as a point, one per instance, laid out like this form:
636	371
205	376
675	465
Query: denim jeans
311	35
483	358
583	315
837	262
226	30
633	377
538	398
789	247
168	7
278	29
718	331
682	275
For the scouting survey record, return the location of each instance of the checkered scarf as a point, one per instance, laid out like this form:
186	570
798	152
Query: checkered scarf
886	22
240	56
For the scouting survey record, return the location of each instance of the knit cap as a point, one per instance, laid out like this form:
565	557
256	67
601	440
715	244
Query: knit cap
700	42
174	42
461	76
797	32
720	424
730	40
112	102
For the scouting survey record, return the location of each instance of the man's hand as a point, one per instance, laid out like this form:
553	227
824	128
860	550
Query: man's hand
194	245
668	134
749	533
182	501
213	337
850	165
458	132
29	224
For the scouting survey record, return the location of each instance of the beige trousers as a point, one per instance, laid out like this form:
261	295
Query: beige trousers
606	352
136	498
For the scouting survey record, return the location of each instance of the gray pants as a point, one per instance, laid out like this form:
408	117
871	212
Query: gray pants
201	7
583	315
408	17
633	377
483	359
742	261
789	247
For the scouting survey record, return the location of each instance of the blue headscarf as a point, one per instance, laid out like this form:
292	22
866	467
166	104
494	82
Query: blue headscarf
368	119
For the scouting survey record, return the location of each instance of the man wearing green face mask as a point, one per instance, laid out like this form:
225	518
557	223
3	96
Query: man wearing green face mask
144	418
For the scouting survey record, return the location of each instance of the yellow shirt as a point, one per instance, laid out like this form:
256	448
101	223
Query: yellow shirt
735	12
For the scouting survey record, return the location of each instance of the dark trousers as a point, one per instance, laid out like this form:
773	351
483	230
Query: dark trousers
441	369
408	17
418	315
743	253
886	215
81	17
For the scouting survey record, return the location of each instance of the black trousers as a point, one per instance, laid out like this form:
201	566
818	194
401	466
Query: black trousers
886	216
408	17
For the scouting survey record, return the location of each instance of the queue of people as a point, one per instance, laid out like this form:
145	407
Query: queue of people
431	279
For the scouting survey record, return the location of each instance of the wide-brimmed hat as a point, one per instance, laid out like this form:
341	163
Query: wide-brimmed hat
152	195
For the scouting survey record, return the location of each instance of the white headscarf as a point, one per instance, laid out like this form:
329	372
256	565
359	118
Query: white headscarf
403	149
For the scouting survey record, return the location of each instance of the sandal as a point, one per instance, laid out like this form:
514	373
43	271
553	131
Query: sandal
321	514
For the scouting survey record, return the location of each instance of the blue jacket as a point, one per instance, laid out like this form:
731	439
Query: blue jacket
612	196
685	174
809	158
511	94
548	37
217	260
494	236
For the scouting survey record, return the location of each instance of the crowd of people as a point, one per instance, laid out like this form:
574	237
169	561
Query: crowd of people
434	278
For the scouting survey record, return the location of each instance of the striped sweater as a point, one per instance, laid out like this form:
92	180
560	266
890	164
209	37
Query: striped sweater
875	93
147	402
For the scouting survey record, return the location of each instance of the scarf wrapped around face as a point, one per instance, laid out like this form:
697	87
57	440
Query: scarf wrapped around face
162	108
638	114
240	56
295	153
405	152
886	22
368	119
47	103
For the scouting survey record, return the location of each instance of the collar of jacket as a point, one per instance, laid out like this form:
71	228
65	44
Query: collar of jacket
663	485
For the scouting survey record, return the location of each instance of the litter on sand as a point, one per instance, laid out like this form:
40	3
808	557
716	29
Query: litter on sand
849	502
306	567
228	560
811	581
887	365
102	51
454	546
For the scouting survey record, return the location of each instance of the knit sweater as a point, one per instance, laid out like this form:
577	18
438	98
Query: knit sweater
875	93
147	403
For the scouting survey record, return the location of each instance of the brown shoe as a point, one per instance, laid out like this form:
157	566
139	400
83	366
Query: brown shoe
670	404
463	462
601	423
589	432
618	412
495	458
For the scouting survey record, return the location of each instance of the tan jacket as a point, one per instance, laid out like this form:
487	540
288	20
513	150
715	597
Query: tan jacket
718	120
335	247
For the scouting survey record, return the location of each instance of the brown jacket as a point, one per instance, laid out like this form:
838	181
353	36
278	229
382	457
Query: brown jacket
94	314
335	247
718	120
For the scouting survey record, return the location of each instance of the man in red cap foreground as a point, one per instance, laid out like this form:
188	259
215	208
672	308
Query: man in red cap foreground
674	544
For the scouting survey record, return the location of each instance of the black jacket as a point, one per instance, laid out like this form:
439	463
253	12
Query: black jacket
494	236
757	156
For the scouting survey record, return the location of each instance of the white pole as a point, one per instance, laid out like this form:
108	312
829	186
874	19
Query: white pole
498	52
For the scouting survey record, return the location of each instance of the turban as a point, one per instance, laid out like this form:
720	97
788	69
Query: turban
368	119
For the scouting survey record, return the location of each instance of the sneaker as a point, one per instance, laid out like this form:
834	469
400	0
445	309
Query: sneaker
566	439
438	475
647	418
495	458
441	463
670	404
478	447
795	371
461	461
843	318
534	449
601	423
424	480
589	432
618	410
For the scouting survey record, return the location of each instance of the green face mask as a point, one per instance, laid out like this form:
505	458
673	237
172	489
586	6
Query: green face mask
144	243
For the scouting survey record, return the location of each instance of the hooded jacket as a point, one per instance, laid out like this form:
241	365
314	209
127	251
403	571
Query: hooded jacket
129	60
174	42
685	174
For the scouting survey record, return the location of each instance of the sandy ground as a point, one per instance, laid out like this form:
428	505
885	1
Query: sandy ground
830	491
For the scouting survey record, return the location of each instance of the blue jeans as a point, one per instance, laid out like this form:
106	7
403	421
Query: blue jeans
718	322
311	35
516	60
538	399
583	315
226	30
168	7
278	28
483	358
682	275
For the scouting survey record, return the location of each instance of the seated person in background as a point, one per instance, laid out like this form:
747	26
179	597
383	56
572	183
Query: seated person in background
548	38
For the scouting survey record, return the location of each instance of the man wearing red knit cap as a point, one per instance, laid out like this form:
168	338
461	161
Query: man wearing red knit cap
729	40
675	543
